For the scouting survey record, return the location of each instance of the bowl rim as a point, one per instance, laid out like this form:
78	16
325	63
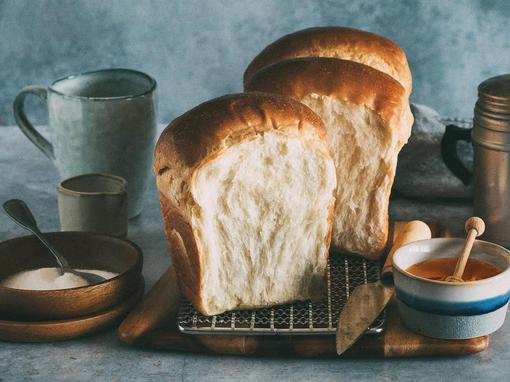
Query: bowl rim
137	265
500	275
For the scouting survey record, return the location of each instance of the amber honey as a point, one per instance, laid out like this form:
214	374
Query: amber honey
440	268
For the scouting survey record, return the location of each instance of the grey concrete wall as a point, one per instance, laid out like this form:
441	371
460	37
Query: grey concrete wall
198	49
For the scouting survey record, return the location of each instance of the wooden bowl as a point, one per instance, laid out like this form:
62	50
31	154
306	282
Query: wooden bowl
82	250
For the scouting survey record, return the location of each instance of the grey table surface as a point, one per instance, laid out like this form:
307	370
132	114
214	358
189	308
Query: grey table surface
25	173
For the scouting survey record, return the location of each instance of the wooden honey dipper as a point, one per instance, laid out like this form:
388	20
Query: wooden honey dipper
474	227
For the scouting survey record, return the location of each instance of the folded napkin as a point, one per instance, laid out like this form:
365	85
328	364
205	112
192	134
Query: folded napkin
421	171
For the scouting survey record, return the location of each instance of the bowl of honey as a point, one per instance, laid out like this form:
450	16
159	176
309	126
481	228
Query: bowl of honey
433	307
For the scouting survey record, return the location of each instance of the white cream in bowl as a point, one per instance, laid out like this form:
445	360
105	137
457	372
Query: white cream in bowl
51	279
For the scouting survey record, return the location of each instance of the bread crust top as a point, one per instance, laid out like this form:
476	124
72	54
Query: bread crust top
346	80
219	123
338	42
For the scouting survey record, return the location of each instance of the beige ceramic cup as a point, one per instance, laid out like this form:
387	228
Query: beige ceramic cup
94	203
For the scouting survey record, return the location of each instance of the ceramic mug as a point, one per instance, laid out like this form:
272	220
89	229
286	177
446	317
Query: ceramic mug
102	121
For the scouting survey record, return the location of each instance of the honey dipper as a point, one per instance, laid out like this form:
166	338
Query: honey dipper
475	227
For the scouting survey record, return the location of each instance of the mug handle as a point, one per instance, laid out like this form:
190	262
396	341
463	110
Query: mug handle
451	136
24	124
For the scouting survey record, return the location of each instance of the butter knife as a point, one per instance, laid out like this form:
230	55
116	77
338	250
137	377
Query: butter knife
367	301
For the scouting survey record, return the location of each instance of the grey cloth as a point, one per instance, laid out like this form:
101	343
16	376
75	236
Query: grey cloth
421	171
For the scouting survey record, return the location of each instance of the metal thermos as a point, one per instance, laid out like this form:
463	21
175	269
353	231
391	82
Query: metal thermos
491	143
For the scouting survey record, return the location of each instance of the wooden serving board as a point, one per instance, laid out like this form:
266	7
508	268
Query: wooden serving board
152	324
396	341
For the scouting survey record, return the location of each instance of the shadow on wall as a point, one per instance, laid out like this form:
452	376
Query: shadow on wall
199	49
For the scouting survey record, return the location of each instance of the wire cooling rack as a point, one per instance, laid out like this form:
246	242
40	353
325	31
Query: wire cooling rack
344	273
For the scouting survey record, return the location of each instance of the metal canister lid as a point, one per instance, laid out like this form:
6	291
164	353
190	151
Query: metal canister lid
496	89
492	114
492	110
494	97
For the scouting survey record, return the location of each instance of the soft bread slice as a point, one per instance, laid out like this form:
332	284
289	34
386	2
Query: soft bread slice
337	42
247	190
368	120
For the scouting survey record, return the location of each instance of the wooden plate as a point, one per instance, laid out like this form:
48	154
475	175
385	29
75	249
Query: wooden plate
47	331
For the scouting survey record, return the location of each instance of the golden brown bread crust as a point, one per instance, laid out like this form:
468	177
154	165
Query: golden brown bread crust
198	136
338	42
210	126
185	258
347	80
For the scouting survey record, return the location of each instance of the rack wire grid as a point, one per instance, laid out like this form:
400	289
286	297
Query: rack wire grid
344	273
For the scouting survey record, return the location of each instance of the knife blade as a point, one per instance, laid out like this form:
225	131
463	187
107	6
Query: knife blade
367	301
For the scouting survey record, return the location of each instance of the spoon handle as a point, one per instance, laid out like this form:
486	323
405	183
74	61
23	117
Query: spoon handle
20	213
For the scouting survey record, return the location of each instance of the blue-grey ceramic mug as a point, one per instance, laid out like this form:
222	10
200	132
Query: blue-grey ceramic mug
102	121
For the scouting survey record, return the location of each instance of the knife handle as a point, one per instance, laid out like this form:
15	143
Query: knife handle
412	231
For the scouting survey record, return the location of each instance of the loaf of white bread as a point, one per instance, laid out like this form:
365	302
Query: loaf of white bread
368	120
247	189
337	42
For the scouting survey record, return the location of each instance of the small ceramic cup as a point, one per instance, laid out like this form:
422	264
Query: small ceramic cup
449	310
94	203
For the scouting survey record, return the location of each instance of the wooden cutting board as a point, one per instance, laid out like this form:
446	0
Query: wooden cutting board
152	324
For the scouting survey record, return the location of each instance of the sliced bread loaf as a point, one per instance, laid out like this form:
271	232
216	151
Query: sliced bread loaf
247	190
368	120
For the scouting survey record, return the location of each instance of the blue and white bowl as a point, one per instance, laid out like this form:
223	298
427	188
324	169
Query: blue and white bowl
448	310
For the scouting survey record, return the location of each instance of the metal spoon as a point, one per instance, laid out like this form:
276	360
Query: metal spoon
20	213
